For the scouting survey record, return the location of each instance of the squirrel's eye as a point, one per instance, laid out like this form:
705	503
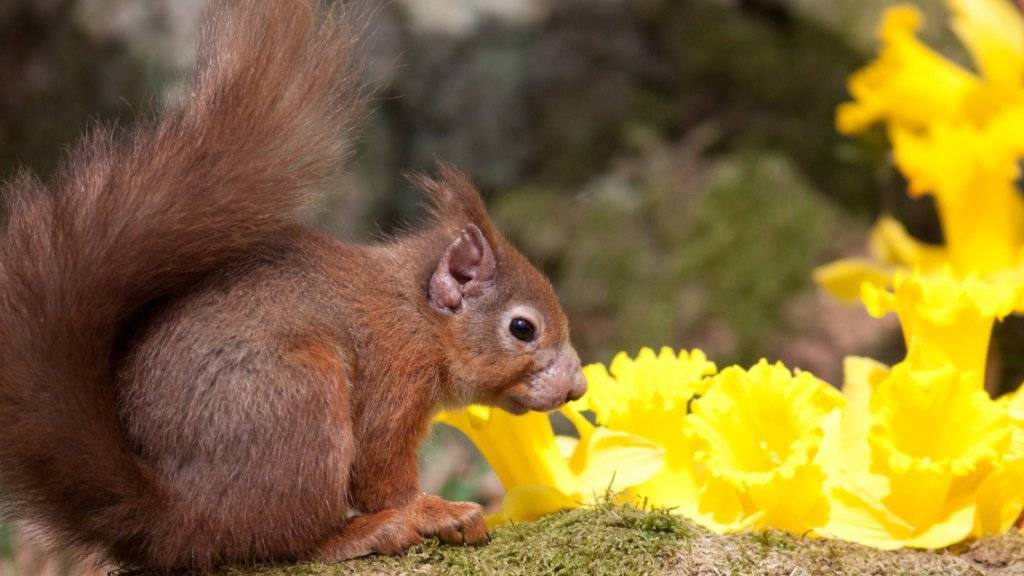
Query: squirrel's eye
522	329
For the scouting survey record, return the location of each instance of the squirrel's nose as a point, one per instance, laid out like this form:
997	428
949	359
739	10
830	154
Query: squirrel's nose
572	395
578	387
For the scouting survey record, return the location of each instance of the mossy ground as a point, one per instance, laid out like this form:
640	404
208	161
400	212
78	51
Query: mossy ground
611	540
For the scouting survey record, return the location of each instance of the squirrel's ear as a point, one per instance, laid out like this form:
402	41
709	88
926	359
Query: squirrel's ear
466	270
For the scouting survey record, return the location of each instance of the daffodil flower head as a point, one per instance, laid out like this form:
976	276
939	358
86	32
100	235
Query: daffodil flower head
937	437
911	86
908	84
649	397
630	392
955	134
757	434
937	469
935	418
953	315
972	171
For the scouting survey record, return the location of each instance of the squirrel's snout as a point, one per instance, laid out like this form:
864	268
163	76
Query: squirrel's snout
559	382
578	387
562	381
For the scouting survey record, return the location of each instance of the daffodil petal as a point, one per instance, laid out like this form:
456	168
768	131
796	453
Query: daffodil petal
1014	403
676	486
721	510
617	460
908	83
843	279
528	503
999	499
993	31
863	520
860	376
851	460
566	445
522	450
794	503
890	242
946	532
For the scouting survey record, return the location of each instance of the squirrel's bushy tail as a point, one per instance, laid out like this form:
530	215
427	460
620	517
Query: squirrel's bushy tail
137	218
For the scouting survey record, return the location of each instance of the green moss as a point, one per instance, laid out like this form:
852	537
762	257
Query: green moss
771	540
610	540
606	541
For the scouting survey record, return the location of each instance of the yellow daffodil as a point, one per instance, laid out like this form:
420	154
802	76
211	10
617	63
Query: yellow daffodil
1014	405
543	473
993	32
915	88
746	455
930	458
908	83
890	242
649	397
891	248
957	136
922	457
954	316
756	435
972	173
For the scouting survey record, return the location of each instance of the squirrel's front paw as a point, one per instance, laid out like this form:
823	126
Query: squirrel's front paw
388	532
450	522
393	531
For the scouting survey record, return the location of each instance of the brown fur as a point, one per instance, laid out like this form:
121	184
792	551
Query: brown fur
189	378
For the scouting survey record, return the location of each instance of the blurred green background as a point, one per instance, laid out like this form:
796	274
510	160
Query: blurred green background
671	164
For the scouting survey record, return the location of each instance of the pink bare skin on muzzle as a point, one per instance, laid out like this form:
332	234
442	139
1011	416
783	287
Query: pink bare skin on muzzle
557	383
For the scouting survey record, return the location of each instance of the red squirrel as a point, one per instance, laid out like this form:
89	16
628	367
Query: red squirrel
190	378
